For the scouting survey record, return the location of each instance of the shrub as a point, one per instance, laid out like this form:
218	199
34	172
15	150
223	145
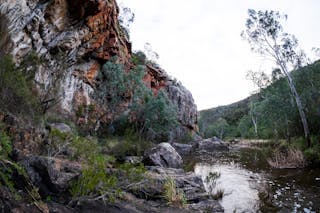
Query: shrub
139	58
58	142
131	144
76	147
149	115
312	154
94	179
16	92
159	117
83	148
111	88
211	181
6	165
10	169
133	173
212	178
172	194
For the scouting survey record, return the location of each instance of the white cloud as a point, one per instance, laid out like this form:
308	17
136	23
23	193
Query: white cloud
199	41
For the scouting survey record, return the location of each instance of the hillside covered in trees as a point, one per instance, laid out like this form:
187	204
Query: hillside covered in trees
271	113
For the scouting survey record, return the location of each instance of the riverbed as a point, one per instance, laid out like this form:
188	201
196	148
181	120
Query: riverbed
249	184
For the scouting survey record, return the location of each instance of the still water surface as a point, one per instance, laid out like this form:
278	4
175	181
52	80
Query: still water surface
250	185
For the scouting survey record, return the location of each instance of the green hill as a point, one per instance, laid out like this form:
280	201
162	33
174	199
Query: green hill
273	110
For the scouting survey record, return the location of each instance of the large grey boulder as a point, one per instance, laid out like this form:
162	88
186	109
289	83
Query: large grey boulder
163	155
211	145
51	175
187	112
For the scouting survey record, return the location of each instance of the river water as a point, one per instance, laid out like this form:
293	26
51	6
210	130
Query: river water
250	185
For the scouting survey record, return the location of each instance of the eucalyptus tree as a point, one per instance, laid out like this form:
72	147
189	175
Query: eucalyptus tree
266	36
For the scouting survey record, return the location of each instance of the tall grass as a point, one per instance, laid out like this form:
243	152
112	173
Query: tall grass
172	194
289	157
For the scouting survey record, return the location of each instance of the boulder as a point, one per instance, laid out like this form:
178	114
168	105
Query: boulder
182	149
163	155
61	127
211	145
51	175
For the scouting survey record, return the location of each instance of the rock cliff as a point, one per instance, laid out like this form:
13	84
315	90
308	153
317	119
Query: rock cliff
74	38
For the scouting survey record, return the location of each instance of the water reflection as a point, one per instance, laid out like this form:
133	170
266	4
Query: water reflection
240	186
250	185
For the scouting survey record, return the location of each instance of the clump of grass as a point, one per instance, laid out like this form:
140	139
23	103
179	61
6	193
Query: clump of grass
218	194
212	177
172	194
287	157
211	180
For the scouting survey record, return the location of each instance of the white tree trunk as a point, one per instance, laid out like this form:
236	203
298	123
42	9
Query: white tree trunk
298	102
255	124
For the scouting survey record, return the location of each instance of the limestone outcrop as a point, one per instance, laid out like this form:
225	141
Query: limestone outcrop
73	39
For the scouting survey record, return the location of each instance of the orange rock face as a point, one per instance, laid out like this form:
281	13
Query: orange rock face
107	39
92	72
155	79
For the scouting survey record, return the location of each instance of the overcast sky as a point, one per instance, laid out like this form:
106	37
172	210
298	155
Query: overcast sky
199	41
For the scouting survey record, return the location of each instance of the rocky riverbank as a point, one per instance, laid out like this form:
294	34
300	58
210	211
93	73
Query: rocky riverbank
45	186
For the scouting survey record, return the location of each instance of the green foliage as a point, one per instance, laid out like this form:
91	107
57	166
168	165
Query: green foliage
16	90
84	148
274	109
265	34
312	155
231	113
132	172
219	128
212	177
131	144
94	180
211	181
172	194
5	168
58	142
5	145
152	116
9	168
139	58
111	88
159	117
245	127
